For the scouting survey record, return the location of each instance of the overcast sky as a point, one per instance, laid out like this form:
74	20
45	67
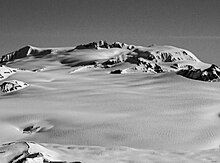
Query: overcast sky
190	24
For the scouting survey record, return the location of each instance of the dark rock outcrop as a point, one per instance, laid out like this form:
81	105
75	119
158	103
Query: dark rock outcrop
144	54
93	45
24	52
12	86
40	54
21	53
36	127
28	152
116	72
174	56
104	44
210	74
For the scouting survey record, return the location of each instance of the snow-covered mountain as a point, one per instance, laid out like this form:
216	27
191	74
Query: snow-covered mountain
122	58
108	103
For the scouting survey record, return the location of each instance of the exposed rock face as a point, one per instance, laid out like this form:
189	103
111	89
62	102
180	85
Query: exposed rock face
36	127
144	54
24	52
142	64
12	86
93	45
150	66
28	152
137	56
104	44
21	53
5	72
210	74
116	72
173	55
40	54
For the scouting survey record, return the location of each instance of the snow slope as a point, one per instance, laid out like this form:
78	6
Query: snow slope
101	102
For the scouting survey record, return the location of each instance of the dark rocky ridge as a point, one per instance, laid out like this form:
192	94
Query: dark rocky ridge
104	44
21	53
210	74
24	52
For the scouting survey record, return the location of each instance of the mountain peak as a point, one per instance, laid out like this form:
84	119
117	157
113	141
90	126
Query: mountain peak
104	44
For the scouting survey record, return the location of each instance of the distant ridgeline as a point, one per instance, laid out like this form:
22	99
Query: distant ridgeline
152	59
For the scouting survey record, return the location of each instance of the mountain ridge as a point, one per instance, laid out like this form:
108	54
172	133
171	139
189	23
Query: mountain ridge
150	59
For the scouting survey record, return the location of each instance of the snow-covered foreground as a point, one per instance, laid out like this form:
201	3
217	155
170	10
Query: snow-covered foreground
101	104
30	152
